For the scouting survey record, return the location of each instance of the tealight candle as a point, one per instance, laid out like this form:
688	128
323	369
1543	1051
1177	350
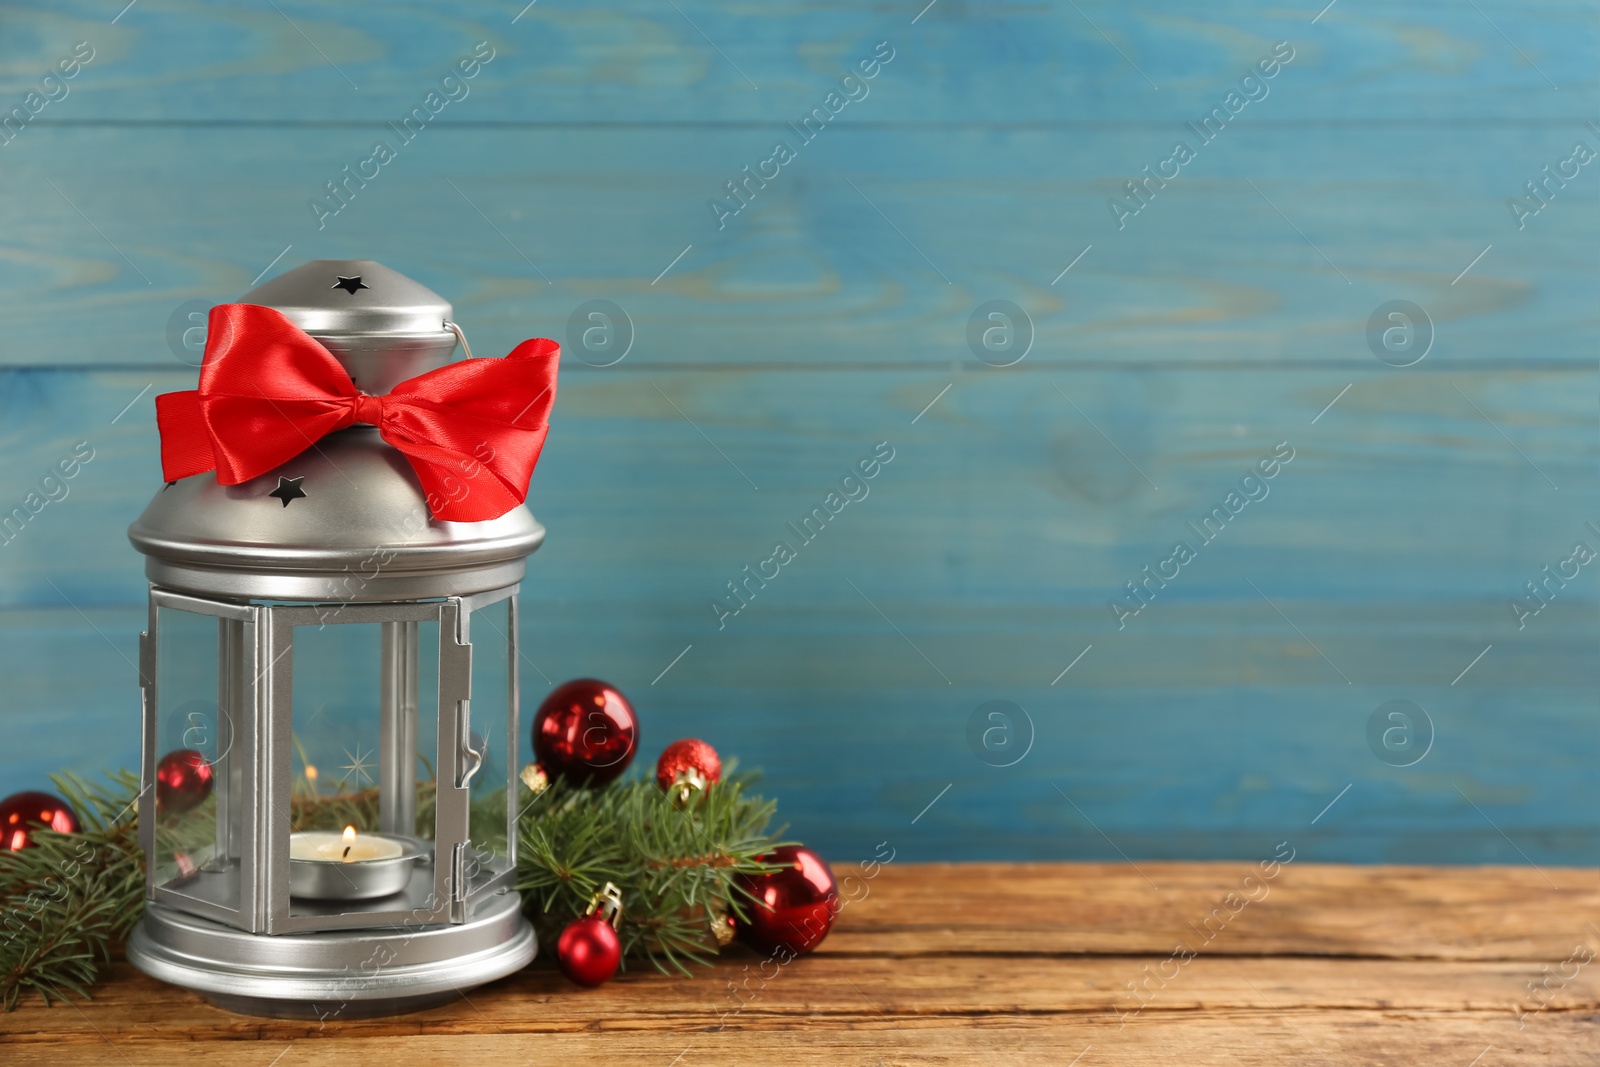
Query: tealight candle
348	847
332	866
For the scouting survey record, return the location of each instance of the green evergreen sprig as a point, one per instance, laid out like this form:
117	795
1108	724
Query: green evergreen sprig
677	868
67	902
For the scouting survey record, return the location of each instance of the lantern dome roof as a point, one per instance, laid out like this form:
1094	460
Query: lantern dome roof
346	520
333	297
380	325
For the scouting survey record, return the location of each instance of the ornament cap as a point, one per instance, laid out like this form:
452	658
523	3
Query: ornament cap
723	927
534	778
687	785
607	903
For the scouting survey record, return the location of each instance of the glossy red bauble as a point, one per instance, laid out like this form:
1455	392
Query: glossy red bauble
793	908
183	781
23	813
685	760
589	951
585	731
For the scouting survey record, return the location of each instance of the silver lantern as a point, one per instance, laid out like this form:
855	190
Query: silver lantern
346	668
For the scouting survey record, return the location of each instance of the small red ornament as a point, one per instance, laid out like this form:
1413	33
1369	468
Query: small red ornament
183	781
687	768
792	909
23	813
589	949
585	732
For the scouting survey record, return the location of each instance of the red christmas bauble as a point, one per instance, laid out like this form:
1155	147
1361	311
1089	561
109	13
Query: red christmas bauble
23	813
585	731
589	951
685	760
183	781
793	908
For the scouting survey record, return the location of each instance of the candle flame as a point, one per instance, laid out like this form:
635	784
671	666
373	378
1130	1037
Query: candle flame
311	773
349	834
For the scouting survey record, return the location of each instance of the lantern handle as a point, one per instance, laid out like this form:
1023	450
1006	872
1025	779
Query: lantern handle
471	758
461	337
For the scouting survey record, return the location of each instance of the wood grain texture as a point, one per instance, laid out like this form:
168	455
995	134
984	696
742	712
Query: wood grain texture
1208	727
1229	314
873	247
713	60
996	963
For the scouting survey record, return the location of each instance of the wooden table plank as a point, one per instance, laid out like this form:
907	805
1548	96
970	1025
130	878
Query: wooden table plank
1370	965
1485	913
1253	1037
841	992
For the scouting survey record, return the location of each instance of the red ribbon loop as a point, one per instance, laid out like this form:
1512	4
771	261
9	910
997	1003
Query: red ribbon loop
472	430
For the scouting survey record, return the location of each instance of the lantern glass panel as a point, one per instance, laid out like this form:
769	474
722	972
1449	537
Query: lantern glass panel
490	738
365	729
198	824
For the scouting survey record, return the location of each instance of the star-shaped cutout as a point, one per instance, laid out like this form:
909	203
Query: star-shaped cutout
350	285
288	489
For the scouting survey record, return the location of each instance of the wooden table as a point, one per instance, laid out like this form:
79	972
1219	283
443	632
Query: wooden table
999	964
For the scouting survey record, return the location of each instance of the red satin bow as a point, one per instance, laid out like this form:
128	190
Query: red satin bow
268	391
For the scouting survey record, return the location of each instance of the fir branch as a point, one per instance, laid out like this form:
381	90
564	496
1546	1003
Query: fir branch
677	868
68	900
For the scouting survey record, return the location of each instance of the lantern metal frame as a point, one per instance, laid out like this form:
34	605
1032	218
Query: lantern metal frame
457	928
258	715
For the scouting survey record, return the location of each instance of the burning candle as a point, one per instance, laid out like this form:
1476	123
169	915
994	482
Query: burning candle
324	865
348	847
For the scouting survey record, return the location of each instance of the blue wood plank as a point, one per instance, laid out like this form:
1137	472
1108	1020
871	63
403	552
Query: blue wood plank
876	246
640	61
1394	541
1004	481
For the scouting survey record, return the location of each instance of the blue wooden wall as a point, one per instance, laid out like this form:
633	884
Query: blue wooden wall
772	353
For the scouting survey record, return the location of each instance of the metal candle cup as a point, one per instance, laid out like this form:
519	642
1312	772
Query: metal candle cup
330	866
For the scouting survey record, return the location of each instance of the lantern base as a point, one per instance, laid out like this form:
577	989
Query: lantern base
333	974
